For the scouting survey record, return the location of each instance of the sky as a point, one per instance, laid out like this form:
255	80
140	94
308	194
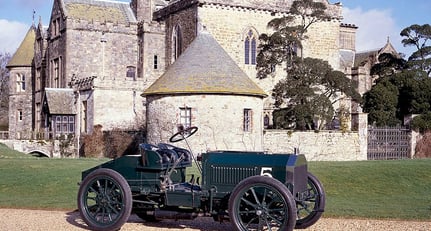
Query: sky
377	20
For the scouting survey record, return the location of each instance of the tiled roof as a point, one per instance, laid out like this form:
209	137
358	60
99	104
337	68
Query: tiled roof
99	10
362	57
23	56
204	67
61	101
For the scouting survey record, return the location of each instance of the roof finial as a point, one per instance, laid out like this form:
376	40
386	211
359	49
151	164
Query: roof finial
34	12
388	40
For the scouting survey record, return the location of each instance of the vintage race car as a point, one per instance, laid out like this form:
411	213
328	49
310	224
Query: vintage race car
252	190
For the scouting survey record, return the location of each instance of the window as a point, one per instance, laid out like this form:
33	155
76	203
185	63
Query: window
247	120
155	62
84	116
20	82
266	121
55	27
273	68
64	124
176	43
37	116
71	124
294	49
20	115
131	70
38	79
55	72
250	44
186	117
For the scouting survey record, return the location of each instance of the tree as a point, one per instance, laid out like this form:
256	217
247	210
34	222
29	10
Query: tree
418	36
284	44
311	87
409	77
4	89
4	79
422	123
381	104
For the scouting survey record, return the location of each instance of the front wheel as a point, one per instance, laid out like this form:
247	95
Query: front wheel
104	200
311	208
262	203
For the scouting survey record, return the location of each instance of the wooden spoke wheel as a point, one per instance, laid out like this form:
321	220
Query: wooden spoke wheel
262	203
104	200
311	208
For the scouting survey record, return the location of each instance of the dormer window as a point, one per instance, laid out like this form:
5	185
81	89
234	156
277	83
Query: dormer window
176	43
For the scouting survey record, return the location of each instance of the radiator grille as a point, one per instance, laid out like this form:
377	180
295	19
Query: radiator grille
300	179
231	175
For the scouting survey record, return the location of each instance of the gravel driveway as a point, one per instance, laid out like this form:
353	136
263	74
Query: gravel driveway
23	220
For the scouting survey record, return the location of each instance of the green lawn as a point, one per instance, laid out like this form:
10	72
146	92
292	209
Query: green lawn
30	182
377	189
367	189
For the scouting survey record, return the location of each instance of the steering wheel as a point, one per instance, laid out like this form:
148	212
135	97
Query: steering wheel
181	135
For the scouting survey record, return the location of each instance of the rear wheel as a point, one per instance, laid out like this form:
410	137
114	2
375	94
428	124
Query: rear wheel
262	203
311	208
104	200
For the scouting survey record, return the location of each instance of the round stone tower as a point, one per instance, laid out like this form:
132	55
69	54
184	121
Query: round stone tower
204	87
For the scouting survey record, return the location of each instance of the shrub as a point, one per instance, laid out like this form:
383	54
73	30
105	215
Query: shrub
119	143
422	123
111	144
423	146
93	145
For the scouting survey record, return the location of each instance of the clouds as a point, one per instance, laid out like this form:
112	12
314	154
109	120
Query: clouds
11	35
15	20
375	26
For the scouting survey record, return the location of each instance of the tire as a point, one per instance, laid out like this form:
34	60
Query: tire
262	203
104	200
310	210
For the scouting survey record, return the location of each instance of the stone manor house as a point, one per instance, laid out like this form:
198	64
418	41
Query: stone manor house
159	64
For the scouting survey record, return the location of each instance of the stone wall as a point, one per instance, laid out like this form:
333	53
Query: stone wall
105	50
20	102
118	108
152	51
218	19
317	146
219	119
275	5
51	149
186	20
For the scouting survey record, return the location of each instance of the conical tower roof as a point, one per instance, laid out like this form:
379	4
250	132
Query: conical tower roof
23	56
204	68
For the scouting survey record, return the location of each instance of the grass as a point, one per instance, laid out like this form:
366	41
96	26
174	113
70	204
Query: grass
367	189
42	183
376	189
